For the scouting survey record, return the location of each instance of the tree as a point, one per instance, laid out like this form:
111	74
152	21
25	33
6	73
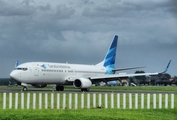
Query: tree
141	79
167	75
7	81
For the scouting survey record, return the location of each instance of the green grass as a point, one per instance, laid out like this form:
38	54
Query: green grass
91	114
98	113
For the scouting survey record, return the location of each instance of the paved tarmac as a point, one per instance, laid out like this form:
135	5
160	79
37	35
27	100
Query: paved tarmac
78	91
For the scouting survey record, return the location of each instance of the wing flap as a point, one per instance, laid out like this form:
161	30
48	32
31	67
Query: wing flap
128	68
108	77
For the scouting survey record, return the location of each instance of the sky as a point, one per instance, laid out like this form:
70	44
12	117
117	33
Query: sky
80	31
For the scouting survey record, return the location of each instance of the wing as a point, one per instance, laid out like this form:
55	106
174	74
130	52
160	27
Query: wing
129	68
110	77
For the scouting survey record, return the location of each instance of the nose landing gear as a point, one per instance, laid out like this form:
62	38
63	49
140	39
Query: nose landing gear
24	85
25	89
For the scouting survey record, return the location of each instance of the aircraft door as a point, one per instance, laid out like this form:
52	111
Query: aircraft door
36	71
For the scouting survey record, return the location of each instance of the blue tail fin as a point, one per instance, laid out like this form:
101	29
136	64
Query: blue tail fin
109	61
16	64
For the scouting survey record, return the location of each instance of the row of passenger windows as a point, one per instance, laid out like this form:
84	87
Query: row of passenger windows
52	70
70	71
88	72
57	70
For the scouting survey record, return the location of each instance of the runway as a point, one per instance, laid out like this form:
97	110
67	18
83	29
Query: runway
78	91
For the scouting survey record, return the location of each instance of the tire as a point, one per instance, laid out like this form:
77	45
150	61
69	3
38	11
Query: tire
59	88
25	89
85	89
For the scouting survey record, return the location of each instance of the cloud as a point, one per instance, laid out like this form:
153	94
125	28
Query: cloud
173	8
12	10
81	31
63	12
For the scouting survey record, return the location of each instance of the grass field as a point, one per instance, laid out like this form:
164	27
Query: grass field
91	114
94	113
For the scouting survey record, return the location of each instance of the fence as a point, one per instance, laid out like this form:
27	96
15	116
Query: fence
87	100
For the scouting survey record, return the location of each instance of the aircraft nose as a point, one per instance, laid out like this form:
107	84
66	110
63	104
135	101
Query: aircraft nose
13	75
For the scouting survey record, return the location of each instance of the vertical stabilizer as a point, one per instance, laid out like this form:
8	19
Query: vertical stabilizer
16	64
109	61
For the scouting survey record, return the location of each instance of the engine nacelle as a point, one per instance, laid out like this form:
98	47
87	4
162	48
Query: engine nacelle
82	83
39	85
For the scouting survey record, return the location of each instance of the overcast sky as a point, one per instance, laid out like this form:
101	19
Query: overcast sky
80	31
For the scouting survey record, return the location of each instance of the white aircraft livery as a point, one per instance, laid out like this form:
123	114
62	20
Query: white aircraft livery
81	76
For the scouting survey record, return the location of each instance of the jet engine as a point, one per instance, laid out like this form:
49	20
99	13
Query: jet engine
39	85
82	83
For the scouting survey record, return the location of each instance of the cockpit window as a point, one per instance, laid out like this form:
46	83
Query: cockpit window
24	69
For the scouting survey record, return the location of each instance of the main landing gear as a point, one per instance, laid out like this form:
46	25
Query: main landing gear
85	89
59	88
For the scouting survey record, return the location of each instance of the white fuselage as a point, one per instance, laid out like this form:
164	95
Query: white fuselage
54	73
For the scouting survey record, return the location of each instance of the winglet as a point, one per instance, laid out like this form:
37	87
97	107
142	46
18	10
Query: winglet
16	64
167	67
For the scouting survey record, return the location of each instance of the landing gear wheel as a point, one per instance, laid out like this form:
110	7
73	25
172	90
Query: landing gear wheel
85	89
25	89
59	88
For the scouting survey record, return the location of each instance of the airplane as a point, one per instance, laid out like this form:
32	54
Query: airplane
81	76
112	83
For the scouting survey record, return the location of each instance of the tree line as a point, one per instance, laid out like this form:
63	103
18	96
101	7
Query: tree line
7	81
160	79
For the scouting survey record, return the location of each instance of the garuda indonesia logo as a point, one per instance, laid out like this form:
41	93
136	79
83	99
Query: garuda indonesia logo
44	66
